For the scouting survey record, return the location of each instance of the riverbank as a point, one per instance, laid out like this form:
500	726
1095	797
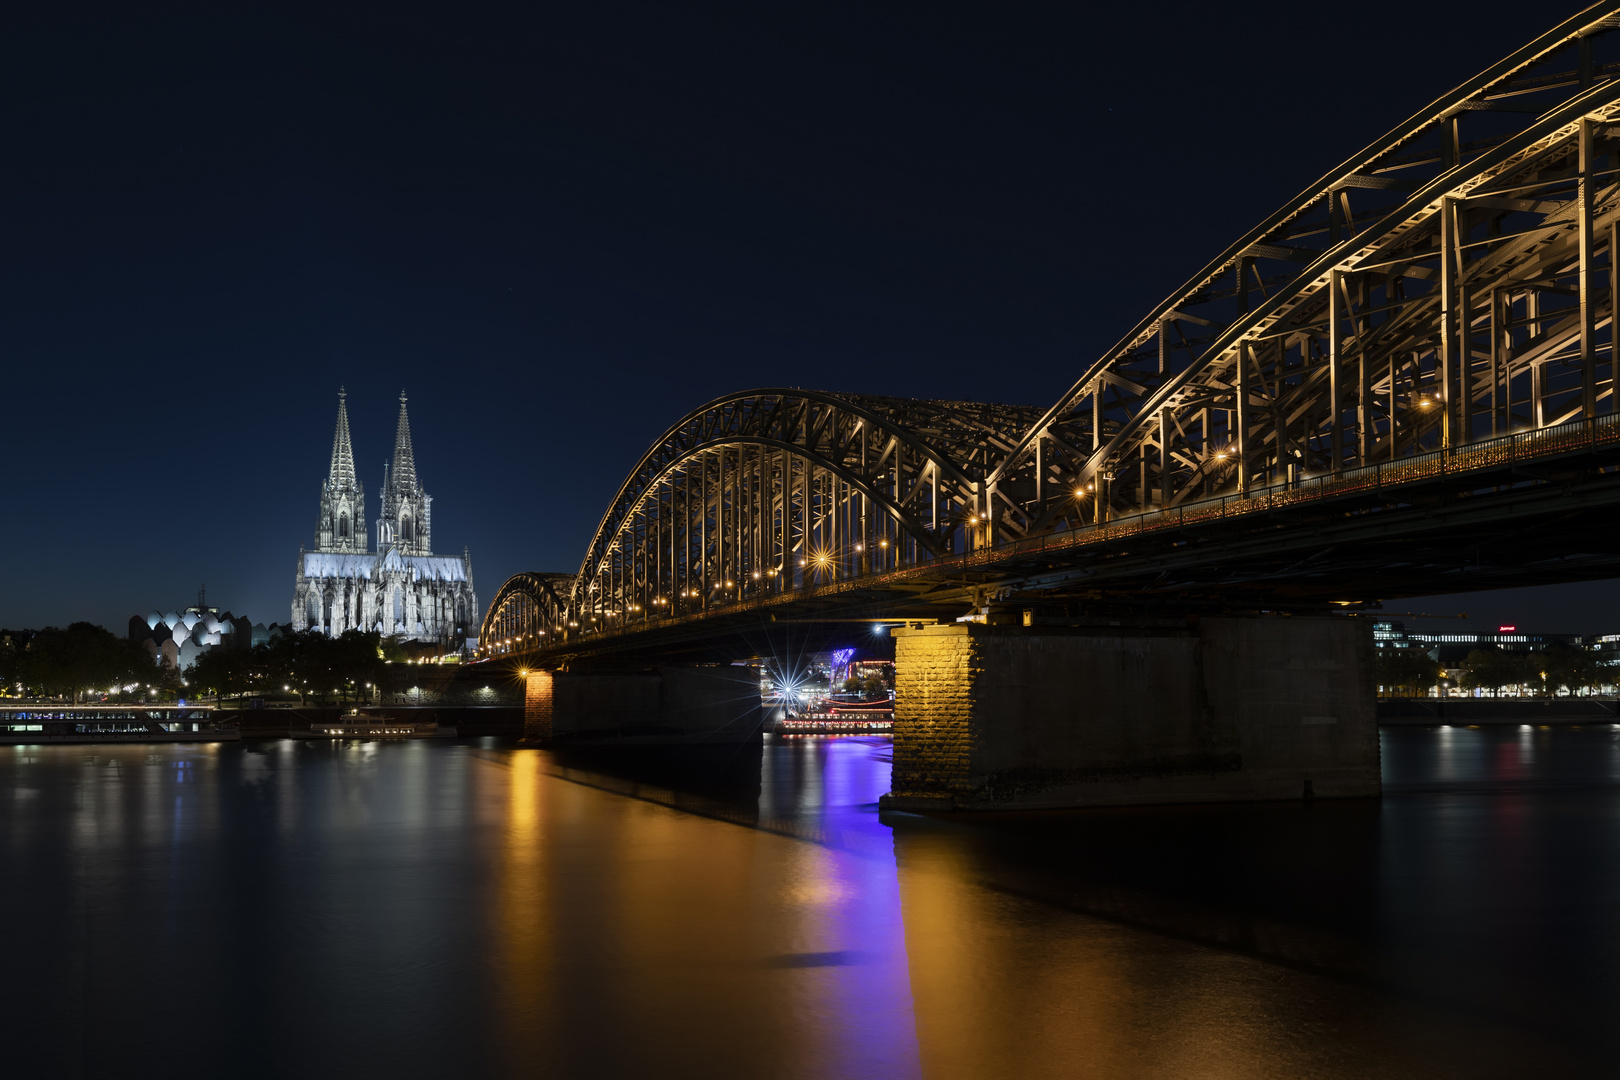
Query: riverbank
1421	712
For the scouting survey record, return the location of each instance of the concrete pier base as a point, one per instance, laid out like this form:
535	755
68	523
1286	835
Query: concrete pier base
665	706
1229	709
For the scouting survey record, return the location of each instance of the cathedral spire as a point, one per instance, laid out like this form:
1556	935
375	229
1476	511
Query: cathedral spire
342	474
342	522
407	517
404	479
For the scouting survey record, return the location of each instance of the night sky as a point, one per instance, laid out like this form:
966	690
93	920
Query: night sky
561	227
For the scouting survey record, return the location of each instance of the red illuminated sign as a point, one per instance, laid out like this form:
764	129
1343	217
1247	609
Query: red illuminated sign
1506	629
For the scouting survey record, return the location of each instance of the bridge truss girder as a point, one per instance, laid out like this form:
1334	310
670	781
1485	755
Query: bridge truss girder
1453	281
528	608
768	490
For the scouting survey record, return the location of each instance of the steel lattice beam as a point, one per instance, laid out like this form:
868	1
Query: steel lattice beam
1453	283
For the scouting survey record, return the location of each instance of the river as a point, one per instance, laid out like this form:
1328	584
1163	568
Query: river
416	909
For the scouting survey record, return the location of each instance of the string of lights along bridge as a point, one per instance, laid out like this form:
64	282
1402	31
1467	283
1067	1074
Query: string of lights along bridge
1429	324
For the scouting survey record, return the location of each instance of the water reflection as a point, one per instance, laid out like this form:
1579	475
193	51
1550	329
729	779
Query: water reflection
478	909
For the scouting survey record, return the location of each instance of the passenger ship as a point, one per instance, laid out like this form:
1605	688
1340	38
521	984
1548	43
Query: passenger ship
840	718
20	724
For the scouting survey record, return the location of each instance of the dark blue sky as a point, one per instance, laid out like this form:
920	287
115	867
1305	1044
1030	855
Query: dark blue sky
562	227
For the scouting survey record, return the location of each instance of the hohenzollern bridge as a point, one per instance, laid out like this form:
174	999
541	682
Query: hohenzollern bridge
1401	383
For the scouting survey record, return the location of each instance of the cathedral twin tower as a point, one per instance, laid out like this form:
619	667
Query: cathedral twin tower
401	588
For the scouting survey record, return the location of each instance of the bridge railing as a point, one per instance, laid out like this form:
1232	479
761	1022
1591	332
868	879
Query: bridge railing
1493	453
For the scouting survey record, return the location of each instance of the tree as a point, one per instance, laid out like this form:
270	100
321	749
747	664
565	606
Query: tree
81	658
220	671
393	647
1492	669
1409	670
311	663
1568	668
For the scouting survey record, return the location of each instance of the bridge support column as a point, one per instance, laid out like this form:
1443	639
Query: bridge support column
668	706
537	700
1232	709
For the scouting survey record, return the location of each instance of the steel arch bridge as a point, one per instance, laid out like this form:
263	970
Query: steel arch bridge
1443	300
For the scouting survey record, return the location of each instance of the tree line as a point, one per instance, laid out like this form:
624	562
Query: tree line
309	664
86	662
1548	672
82	662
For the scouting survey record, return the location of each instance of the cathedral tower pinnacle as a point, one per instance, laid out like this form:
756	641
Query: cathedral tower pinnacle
407	511
342	522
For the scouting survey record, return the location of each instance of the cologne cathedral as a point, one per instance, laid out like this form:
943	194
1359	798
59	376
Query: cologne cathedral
401	588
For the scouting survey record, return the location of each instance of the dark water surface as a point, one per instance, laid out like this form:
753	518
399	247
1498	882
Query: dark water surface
475	909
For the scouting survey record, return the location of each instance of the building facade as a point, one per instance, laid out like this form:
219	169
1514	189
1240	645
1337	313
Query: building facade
401	588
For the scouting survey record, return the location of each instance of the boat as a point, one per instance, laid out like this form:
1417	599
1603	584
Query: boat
375	727
840	719
30	724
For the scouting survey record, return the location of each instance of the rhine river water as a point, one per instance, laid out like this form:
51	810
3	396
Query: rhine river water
366	909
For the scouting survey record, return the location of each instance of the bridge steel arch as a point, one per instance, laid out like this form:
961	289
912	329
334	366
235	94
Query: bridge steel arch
761	492
525	611
1453	281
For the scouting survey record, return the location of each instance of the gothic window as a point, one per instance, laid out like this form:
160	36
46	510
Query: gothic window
343	525
405	528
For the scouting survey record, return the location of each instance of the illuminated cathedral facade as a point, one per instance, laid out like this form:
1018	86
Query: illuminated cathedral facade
400	588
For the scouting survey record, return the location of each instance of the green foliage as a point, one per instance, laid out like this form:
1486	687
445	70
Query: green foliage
1494	670
220	671
1570	669
84	657
1558	668
392	648
308	664
1405	671
873	686
852	685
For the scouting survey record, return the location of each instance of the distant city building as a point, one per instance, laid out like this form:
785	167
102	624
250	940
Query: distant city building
177	638
401	588
1454	648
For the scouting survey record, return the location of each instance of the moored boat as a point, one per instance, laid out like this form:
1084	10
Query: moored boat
28	724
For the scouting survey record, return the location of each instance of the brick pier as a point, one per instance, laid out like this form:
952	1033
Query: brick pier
1227	709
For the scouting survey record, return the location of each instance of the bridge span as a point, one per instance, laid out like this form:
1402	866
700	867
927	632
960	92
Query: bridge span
1403	382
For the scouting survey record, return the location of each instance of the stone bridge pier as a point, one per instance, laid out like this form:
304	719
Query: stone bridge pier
1217	710
662	706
